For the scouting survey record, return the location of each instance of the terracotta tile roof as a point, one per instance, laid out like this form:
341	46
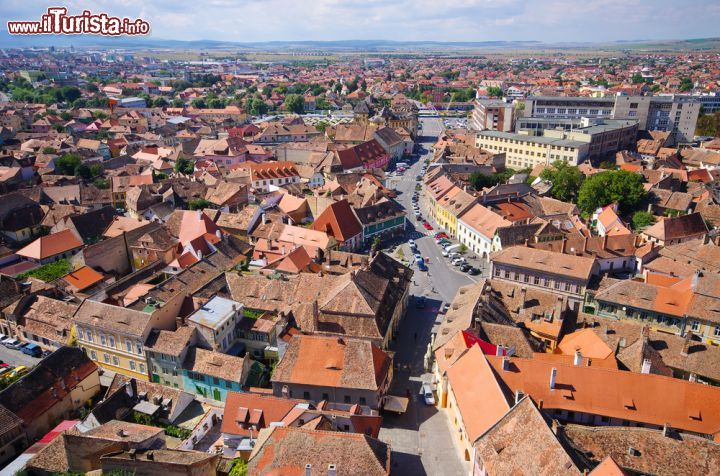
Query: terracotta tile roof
678	454
679	227
83	278
521	442
286	451
547	262
215	364
333	362
239	405
51	245
646	398
608	467
480	400
112	318
338	221
587	342
170	342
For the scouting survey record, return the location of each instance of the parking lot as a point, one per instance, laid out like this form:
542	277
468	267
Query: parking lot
15	358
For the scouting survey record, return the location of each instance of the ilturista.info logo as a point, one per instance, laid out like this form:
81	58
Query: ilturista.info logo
56	21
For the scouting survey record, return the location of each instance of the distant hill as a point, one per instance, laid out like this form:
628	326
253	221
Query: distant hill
88	41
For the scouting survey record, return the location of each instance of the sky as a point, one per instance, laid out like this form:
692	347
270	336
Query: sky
552	21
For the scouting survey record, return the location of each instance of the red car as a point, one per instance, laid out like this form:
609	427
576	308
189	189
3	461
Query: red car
440	235
427	226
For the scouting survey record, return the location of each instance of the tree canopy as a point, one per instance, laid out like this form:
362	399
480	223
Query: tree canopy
295	103
611	186
566	180
642	220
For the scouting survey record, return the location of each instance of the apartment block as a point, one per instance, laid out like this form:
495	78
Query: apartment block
492	115
660	113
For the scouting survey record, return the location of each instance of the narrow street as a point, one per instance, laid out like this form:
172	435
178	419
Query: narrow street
422	439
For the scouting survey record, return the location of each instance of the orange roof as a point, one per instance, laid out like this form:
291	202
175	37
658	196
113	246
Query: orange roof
480	400
608	467
51	245
83	278
514	211
240	407
586	341
647	398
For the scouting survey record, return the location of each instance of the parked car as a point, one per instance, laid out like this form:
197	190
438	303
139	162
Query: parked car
465	267
441	235
427	393
418	216
16	345
411	243
45	353
427	226
31	349
12	343
445	308
474	271
4	371
7	340
458	261
444	253
20	370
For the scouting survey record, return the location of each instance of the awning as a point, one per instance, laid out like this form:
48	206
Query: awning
395	404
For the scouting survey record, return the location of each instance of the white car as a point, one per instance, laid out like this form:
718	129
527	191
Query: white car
411	243
458	261
12	343
444	253
427	394
7	340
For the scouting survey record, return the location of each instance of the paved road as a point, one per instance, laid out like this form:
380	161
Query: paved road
422	439
15	357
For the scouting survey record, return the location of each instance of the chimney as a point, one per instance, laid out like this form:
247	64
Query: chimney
150	456
666	430
262	218
308	469
584	245
649	208
332	470
604	242
199	215
558	308
540	404
686	344
553	374
605	329
645	366
523	299
563	245
315	316
506	364
577	361
283	250
499	349
554	426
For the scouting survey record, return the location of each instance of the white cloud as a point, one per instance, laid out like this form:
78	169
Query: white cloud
460	20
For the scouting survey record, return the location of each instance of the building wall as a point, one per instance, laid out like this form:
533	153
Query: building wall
332	394
210	387
574	289
524	152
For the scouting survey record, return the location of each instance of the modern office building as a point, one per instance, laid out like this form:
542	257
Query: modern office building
661	113
672	113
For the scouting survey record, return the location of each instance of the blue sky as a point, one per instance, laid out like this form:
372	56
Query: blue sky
456	20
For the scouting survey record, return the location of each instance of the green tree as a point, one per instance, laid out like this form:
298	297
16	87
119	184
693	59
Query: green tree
610	186
294	103
49	272
566	180
198	204
67	164
83	171
159	102
239	468
198	103
184	165
480	180
636	78
708	125
494	91
642	219
686	84
70	93
256	106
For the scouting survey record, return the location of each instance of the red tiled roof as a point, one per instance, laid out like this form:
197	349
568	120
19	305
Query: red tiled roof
51	245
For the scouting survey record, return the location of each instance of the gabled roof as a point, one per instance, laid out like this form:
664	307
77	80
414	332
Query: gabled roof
338	221
646	398
333	362
480	400
240	405
51	245
521	442
678	227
